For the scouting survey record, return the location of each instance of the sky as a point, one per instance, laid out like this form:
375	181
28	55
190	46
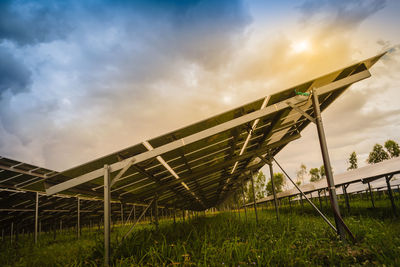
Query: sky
81	79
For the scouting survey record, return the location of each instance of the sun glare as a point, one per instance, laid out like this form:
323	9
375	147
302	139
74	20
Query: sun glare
299	47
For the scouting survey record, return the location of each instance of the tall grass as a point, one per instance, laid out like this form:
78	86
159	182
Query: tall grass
299	238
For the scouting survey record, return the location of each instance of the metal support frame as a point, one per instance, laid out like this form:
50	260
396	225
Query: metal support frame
254	196
36	217
305	114
78	225
390	192
244	202
319	198
156	212
140	217
340	225
206	133
122	213
11	232
302	194
129	216
301	202
346	196
107	214
271	172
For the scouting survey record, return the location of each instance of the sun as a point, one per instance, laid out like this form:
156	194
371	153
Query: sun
300	47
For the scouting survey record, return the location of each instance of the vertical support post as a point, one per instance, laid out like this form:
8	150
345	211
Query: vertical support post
60	226
271	172
254	196
244	203
290	203
78	224
301	201
107	214
327	165
174	215
16	233
346	197
371	194
122	213
389	189
156	211
36	217
238	209
11	232
326	198
54	231
319	198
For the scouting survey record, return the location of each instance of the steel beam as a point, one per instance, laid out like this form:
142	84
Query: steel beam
140	217
244	202
2	167
36	216
122	213
389	188
254	196
346	197
319	198
78	225
302	194
327	165
156	212
271	172
107	214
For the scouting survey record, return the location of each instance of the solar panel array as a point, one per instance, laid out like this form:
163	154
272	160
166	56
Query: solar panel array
197	174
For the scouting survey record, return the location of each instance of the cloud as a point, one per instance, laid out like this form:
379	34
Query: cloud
15	77
103	70
103	75
342	14
27	22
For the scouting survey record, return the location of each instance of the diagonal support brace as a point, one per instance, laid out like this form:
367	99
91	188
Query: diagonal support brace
302	112
122	171
140	217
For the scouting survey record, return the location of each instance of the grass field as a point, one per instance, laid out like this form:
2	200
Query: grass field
226	239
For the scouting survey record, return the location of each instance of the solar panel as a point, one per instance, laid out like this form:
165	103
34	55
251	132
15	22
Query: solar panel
198	166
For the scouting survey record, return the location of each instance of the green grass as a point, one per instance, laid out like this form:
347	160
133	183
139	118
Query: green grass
300	238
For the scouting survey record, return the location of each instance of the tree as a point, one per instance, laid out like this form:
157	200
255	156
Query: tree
377	154
259	187
279	182
315	175
322	171
353	161
300	174
393	148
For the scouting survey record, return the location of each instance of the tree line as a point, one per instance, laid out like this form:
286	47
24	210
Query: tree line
262	188
379	153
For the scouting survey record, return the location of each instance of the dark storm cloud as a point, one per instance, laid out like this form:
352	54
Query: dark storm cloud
15	77
100	65
25	22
